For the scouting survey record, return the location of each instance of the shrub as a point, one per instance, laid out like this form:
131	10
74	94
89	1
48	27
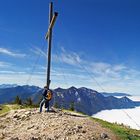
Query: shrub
72	106
18	100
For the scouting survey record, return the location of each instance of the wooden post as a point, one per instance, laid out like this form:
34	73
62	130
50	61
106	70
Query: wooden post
52	19
49	44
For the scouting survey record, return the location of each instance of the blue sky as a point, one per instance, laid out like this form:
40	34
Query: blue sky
95	44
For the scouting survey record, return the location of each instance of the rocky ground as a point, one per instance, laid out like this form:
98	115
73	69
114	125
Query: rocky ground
29	124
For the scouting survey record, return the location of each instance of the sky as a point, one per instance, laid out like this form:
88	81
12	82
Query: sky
95	44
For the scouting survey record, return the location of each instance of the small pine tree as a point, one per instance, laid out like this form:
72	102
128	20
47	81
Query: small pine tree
18	100
39	101
29	101
56	105
0	107
72	106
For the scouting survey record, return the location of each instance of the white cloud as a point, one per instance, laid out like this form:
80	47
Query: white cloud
11	72
76	71
120	116
106	69
97	68
119	67
11	53
22	79
5	64
7	72
38	51
67	57
110	77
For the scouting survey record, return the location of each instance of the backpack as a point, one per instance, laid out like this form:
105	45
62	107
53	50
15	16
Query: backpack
49	95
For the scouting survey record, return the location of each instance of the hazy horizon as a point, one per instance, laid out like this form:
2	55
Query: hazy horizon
132	97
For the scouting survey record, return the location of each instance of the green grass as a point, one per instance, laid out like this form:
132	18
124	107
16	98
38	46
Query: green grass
15	107
4	110
123	132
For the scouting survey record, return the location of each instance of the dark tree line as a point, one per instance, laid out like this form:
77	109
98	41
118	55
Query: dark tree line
29	102
19	101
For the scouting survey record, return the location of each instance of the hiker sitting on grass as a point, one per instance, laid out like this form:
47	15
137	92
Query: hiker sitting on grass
47	96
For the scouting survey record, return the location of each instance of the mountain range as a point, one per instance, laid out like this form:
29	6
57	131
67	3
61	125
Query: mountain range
83	99
114	94
8	85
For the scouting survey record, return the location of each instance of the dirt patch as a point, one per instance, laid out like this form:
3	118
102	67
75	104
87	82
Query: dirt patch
31	125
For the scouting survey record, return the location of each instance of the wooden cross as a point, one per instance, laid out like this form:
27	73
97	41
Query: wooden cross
52	19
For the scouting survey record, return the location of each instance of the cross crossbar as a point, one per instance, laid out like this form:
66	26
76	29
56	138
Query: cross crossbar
51	24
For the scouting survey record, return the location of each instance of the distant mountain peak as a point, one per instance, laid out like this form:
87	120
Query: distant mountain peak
114	94
59	89
126	99
83	88
8	85
72	88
